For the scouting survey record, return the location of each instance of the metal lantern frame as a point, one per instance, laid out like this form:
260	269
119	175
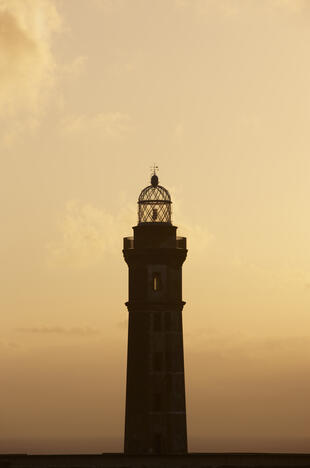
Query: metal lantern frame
154	205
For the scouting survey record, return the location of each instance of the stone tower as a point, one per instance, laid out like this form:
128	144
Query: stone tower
155	391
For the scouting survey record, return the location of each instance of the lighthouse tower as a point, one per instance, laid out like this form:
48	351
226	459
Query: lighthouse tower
155	393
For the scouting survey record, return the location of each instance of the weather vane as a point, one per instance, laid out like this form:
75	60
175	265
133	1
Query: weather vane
154	169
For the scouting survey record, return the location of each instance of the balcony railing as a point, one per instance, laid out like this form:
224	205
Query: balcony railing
128	243
180	243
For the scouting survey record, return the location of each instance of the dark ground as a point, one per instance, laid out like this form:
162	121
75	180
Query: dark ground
192	460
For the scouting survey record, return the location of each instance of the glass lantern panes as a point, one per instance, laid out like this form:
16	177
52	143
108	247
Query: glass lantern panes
154	205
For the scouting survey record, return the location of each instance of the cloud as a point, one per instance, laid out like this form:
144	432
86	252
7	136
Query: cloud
101	125
76	67
237	344
27	65
199	237
107	4
17	128
9	345
87	234
57	330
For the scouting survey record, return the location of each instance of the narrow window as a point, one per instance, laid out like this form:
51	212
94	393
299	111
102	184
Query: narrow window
154	217
156	282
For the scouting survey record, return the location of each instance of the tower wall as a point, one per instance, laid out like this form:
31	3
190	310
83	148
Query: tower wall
155	393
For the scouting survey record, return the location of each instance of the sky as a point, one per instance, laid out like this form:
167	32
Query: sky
92	94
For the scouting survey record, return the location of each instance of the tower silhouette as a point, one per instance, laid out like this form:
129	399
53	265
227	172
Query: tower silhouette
155	391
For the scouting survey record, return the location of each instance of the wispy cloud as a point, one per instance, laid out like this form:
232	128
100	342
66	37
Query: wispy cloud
199	236
107	4
209	340
27	64
87	233
74	68
58	330
98	126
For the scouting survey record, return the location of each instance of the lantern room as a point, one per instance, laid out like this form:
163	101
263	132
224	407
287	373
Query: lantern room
154	204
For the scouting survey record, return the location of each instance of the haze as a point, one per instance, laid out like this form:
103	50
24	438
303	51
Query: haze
92	93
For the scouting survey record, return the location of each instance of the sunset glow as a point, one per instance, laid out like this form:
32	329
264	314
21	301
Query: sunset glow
93	93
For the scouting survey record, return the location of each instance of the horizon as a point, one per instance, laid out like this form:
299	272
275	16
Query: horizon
97	445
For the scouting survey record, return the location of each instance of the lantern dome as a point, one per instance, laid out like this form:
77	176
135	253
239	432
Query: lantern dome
154	203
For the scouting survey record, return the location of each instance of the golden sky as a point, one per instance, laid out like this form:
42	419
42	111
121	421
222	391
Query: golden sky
92	93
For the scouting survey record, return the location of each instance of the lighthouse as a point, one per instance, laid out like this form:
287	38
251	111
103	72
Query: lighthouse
155	420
